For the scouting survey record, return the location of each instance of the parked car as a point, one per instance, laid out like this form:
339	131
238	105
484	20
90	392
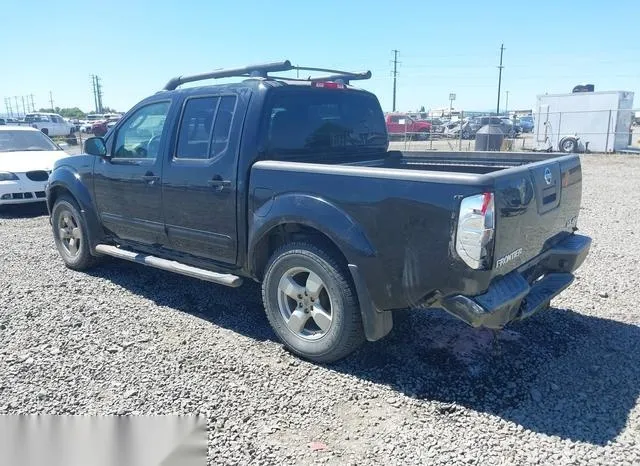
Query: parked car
400	124
100	128
511	129
26	158
50	124
526	123
452	129
437	125
291	184
85	126
3	121
508	128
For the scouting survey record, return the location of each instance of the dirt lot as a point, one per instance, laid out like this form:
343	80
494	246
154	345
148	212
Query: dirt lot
560	388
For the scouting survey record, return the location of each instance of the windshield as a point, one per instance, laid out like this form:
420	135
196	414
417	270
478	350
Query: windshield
310	121
20	140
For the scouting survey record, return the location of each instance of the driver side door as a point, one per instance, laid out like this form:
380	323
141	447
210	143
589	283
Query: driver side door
127	186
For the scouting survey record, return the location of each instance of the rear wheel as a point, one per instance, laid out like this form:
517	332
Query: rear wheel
70	234
311	303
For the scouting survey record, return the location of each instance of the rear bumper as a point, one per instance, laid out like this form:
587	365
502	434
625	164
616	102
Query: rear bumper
522	293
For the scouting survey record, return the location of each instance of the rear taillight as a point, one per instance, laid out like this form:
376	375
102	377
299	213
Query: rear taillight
475	232
327	85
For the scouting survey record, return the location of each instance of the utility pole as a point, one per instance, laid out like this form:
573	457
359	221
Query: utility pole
93	89
500	78
15	98
7	106
395	76
24	110
99	93
53	109
506	104
33	105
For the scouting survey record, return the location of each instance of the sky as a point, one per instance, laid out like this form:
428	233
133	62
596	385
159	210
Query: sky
135	46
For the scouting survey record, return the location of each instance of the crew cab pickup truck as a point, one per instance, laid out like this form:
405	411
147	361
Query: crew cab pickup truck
290	183
401	124
50	124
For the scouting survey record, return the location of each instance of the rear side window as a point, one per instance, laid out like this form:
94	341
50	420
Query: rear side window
205	127
195	128
222	126
305	121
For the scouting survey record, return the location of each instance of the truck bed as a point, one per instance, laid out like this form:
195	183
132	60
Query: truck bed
462	162
404	205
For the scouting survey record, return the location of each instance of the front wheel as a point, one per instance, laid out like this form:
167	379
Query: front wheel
311	303
70	234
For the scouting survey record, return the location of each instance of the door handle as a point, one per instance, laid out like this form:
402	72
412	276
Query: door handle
219	183
150	178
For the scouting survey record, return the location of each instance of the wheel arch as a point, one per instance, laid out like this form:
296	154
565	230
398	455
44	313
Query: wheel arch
63	181
311	219
296	215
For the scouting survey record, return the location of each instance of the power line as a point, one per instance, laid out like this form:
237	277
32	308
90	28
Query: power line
500	78
395	76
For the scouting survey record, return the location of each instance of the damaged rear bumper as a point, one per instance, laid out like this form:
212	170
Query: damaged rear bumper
524	291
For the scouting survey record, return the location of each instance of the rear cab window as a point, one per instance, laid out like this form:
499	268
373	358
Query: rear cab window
306	122
205	126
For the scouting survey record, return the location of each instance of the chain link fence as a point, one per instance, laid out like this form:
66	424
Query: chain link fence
597	131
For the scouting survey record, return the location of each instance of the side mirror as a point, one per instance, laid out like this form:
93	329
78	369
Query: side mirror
95	146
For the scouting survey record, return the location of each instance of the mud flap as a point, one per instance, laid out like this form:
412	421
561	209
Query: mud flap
376	323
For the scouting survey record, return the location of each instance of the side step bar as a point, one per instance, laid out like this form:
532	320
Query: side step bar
172	266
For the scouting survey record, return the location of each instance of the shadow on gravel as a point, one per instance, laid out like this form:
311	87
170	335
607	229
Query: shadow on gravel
239	310
31	210
558	373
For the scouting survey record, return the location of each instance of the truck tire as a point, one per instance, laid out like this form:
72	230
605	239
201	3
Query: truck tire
70	234
311	303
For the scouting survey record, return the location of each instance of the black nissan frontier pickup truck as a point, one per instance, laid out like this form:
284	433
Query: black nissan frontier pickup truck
290	182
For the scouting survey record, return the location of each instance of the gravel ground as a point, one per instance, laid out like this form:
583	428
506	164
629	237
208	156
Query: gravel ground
560	388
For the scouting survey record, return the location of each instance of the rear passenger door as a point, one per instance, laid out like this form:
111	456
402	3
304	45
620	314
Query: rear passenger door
199	179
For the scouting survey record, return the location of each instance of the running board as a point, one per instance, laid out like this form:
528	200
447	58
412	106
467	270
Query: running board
172	266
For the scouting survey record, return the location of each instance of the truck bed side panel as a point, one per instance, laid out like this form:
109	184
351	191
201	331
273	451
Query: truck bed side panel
405	215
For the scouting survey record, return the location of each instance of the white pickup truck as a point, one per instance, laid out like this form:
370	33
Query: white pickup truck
50	124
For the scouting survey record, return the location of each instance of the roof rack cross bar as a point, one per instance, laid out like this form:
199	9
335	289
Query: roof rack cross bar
251	70
263	70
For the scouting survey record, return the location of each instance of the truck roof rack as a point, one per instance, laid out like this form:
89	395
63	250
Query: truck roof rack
263	70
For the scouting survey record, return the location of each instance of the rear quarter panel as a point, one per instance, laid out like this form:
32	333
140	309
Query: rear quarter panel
400	222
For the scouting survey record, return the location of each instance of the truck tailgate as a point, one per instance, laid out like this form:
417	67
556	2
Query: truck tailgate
537	206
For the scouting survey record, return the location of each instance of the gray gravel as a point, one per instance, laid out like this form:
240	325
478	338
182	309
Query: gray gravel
560	388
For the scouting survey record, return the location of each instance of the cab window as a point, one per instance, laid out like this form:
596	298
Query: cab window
140	136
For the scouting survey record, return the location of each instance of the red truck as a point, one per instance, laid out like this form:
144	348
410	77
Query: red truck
400	123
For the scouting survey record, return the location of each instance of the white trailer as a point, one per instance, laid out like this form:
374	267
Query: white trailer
597	121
